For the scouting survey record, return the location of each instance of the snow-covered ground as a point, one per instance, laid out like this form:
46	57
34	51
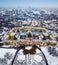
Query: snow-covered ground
6	56
4	51
52	60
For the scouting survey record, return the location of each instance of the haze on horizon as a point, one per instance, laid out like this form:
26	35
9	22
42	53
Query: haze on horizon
29	3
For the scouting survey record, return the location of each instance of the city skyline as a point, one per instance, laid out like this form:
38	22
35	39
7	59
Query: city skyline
29	3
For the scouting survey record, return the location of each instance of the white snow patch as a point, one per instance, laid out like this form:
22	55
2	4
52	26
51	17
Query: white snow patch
4	51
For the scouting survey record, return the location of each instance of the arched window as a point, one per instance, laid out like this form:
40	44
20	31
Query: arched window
22	34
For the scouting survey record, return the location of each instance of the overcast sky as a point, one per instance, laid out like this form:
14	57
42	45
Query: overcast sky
29	3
